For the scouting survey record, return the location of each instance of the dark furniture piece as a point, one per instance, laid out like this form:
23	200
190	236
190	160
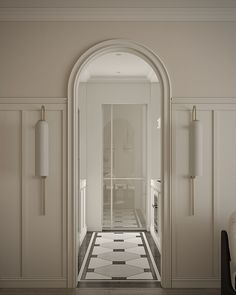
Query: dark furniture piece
226	285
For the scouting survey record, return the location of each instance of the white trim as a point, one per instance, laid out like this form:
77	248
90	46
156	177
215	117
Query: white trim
151	257
156	239
215	193
82	235
117	14
74	80
203	100
86	257
32	100
94	228
139	222
117	79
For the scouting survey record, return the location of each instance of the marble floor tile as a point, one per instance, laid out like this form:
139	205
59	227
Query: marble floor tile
135	240
96	276
119	245
140	262
119	256
137	250
142	276
119	270
98	262
100	250
102	240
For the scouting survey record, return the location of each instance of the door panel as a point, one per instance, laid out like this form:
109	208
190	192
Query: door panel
124	165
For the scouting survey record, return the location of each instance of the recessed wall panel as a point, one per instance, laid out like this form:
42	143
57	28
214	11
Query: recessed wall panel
10	193
43	235
226	165
193	236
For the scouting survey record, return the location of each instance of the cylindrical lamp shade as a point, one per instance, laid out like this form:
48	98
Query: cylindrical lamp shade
41	149
196	149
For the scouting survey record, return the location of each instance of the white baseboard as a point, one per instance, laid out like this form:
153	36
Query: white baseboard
196	283
33	283
82	235
155	238
94	228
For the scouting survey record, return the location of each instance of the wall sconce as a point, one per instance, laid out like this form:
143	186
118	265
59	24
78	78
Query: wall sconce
42	154
195	152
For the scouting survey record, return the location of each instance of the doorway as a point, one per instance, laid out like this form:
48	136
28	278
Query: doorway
124	166
151	59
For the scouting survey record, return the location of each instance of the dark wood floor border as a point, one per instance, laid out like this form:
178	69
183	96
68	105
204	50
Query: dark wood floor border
110	291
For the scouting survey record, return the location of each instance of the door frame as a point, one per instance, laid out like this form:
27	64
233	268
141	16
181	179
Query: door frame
158	66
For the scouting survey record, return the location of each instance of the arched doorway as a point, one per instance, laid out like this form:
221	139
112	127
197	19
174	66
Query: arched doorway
73	147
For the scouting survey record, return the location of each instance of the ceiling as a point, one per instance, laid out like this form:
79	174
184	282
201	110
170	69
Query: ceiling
119	66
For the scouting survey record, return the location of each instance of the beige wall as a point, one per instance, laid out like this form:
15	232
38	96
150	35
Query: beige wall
36	57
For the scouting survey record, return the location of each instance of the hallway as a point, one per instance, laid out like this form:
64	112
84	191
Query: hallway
107	258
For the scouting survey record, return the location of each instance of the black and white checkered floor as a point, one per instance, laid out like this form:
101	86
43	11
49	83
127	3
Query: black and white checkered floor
119	256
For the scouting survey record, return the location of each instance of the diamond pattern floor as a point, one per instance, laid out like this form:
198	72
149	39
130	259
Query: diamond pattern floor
119	256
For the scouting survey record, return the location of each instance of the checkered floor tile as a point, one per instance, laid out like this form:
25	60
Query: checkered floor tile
119	256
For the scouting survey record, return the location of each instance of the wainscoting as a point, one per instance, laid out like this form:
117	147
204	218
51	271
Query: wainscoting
196	239
33	246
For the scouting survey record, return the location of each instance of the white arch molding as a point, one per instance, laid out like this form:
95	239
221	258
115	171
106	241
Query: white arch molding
155	62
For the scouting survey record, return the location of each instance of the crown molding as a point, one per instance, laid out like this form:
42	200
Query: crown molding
118	14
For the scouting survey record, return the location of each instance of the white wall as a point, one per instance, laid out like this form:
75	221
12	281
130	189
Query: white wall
82	104
155	136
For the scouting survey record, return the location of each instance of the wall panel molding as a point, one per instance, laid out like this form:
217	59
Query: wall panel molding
33	100
205	273
22	188
203	100
118	14
27	273
215	195
223	184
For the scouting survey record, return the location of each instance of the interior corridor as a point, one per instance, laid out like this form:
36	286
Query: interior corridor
111	258
119	224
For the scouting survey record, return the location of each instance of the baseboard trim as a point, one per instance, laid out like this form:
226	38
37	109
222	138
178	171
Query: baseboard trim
82	235
155	238
196	283
33	283
94	228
